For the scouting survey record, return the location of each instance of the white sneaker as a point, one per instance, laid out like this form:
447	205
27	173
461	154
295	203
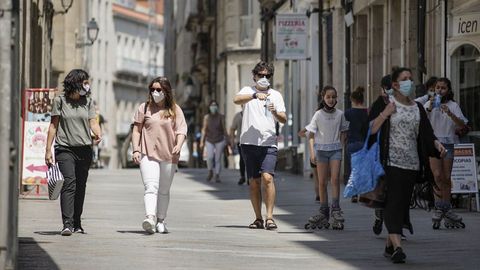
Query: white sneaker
149	225
161	228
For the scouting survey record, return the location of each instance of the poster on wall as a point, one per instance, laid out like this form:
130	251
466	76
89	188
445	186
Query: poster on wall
291	31
36	112
464	171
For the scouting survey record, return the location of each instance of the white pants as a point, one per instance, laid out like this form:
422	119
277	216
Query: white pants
214	155
157	178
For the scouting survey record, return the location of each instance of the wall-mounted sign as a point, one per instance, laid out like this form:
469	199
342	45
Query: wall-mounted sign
466	24
36	109
291	36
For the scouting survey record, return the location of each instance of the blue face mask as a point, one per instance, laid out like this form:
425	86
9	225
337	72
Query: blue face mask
389	92
406	88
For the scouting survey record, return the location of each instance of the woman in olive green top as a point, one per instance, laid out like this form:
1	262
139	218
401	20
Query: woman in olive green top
73	116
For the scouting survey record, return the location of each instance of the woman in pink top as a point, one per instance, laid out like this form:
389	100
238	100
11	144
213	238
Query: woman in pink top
158	135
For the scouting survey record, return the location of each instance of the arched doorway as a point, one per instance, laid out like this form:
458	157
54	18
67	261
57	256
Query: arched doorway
465	75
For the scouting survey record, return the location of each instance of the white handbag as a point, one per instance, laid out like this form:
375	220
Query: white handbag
55	181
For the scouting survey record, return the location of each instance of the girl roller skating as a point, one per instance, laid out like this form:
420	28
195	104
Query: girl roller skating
327	136
445	116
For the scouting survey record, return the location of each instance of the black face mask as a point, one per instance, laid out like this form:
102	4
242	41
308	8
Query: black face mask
328	108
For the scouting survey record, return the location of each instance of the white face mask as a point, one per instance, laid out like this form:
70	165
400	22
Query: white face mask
263	82
158	96
85	90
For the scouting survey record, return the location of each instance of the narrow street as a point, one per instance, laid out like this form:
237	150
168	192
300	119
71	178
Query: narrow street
208	230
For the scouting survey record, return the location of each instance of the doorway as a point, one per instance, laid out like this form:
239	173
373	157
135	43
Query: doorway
466	85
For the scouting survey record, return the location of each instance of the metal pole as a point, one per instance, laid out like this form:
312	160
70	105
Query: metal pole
320	46
7	222
421	40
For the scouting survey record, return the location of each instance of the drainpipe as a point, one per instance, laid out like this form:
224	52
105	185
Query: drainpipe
320	46
421	69
445	38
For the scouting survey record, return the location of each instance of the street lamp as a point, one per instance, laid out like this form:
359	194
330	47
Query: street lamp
92	34
66	5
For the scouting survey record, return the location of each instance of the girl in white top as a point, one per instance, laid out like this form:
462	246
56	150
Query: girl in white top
445	118
327	135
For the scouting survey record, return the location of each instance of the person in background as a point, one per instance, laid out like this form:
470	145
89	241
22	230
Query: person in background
263	108
406	142
159	132
445	116
214	133
235	131
430	90
357	116
73	116
327	136
97	149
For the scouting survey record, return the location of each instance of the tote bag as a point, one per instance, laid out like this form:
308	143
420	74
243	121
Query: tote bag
55	181
366	169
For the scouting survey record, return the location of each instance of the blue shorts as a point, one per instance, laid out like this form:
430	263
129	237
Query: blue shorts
259	159
327	156
450	149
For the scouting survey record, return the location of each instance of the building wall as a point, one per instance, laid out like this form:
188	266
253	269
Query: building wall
68	30
100	64
138	58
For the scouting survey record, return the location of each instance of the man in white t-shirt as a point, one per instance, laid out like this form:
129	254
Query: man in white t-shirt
263	107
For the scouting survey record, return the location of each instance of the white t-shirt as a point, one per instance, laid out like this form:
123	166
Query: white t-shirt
327	128
258	123
443	126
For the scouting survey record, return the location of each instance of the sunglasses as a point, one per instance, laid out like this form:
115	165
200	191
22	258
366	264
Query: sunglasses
268	76
155	89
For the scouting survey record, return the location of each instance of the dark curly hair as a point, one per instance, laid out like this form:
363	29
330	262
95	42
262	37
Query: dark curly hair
74	81
396	73
262	65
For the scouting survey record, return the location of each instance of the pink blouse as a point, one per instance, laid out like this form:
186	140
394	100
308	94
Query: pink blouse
158	133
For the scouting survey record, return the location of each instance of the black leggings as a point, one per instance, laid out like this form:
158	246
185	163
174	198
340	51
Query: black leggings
399	188
74	163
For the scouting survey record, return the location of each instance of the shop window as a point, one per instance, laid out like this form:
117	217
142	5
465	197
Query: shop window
466	85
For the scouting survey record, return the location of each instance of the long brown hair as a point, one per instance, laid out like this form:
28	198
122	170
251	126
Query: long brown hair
169	101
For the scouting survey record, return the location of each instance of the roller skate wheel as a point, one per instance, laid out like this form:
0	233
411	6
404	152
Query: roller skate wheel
462	225
436	226
307	226
326	225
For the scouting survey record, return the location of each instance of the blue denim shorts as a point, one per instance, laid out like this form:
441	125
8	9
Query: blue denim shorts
259	159
450	149
327	156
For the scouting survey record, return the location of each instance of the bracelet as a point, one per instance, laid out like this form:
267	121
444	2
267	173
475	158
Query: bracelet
254	96
383	116
135	152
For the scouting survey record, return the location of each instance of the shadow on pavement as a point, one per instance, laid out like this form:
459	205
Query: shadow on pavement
356	246
32	256
135	232
48	233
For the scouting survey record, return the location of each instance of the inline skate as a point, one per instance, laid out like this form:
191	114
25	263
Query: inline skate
337	219
452	220
318	221
378	224
437	218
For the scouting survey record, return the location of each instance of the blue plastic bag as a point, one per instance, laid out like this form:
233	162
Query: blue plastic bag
366	169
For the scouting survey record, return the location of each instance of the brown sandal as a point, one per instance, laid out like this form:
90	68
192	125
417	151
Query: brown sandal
257	224
270	225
